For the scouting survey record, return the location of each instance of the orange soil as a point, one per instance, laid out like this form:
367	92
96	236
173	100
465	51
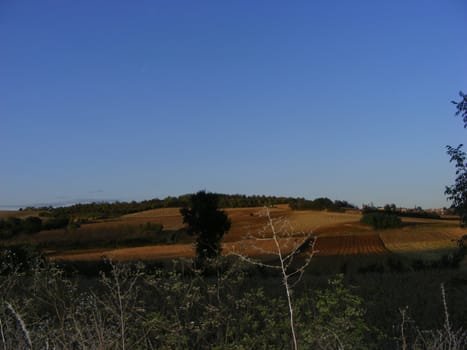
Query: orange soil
350	244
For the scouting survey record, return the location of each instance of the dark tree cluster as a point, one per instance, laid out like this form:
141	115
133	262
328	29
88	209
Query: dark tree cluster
322	203
105	210
381	220
243	201
411	213
14	226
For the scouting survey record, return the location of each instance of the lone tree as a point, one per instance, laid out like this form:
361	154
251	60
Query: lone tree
207	222
457	193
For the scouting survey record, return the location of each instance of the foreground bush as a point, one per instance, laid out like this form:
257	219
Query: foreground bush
131	307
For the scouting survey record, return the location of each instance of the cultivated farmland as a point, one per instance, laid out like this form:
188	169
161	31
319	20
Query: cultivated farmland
338	233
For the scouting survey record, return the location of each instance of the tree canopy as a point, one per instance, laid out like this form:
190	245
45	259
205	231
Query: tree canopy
207	222
457	193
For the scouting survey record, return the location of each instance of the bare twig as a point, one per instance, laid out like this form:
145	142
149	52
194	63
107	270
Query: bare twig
282	232
21	325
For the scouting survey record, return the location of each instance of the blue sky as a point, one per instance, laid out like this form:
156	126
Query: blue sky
133	100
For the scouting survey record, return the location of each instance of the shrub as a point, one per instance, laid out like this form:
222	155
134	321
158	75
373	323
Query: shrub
32	224
56	223
381	220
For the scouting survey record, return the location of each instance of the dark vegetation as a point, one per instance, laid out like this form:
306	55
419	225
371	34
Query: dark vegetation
106	210
457	193
207	223
381	220
319	204
230	305
408	213
13	226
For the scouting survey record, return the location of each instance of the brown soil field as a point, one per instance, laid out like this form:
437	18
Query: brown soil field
369	243
128	254
250	247
325	246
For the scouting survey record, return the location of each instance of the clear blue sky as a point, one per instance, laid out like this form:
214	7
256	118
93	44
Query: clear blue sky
133	100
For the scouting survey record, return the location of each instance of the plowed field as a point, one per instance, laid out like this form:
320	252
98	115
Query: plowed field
350	244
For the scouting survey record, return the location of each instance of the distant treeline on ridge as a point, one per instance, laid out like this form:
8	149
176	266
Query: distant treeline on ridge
102	210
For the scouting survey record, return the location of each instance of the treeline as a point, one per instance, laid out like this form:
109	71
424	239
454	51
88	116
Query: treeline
411	213
244	201
13	226
105	210
322	203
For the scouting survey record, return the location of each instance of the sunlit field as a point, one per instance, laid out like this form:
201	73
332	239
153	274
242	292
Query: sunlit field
337	233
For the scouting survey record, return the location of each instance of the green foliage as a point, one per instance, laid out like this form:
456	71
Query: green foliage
457	193
207	222
132	306
381	220
337	319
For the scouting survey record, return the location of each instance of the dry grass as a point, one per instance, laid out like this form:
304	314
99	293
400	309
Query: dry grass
4	214
128	254
169	217
318	221
422	234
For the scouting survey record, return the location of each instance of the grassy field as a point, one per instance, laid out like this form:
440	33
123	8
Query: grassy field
423	238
